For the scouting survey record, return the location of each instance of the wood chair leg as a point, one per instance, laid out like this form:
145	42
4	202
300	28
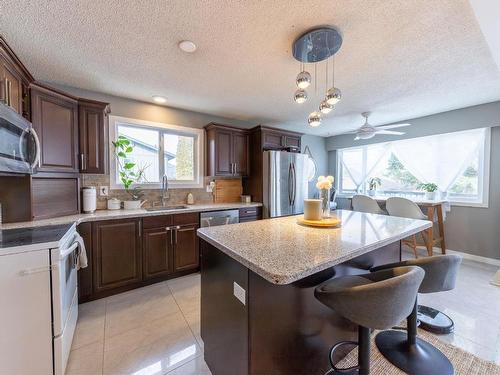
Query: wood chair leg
430	234
414	245
441	228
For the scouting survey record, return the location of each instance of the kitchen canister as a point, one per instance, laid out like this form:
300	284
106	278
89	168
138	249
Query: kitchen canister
89	199
114	204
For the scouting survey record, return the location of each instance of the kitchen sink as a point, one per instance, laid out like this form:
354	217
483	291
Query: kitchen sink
165	208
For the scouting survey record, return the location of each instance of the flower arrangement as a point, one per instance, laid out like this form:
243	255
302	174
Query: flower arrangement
324	185
325	182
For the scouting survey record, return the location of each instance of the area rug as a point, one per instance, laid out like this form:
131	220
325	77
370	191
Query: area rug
464	362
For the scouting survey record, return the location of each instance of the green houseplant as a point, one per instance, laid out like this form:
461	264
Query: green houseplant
430	190
129	173
373	184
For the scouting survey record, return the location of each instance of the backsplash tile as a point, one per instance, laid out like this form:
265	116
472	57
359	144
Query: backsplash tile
177	196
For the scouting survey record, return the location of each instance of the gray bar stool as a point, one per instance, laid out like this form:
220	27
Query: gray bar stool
376	300
405	350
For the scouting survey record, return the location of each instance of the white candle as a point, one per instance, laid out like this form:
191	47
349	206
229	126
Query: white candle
312	209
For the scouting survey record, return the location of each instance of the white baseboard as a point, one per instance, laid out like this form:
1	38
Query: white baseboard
476	258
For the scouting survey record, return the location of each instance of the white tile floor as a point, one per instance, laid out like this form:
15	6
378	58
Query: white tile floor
156	330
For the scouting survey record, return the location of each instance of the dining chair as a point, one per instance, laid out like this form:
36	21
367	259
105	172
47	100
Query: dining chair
403	207
363	203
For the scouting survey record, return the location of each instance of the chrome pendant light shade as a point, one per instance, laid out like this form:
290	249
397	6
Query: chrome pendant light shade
333	96
303	80
300	96
314	119
325	107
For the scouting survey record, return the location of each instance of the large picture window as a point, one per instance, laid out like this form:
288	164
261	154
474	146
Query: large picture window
160	149
458	163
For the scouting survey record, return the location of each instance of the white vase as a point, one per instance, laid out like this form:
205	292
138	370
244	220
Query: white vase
132	205
430	196
324	195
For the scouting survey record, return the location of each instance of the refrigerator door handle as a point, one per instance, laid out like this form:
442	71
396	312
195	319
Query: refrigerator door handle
290	184
294	184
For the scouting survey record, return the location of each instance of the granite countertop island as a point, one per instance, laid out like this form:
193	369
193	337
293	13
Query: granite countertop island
282	251
258	310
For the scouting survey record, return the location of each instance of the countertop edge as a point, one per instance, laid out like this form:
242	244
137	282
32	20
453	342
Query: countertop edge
286	279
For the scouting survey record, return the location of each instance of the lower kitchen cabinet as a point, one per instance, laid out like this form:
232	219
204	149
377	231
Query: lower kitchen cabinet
186	250
157	252
117	254
129	253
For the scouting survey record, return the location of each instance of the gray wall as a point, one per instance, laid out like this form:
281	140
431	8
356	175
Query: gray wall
317	145
468	229
151	112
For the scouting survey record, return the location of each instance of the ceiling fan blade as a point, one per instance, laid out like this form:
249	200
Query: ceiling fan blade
392	132
392	126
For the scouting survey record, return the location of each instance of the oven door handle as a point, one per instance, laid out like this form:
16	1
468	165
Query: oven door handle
69	250
31	271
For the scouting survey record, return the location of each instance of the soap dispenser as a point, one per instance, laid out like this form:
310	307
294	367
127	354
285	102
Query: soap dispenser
190	199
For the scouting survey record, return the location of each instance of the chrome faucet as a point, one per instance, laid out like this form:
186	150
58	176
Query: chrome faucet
164	190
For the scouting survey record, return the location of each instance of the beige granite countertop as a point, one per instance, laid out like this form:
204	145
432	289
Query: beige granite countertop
123	214
282	251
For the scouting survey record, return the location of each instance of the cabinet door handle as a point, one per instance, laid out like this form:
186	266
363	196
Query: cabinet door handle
251	211
3	91
8	89
140	228
82	162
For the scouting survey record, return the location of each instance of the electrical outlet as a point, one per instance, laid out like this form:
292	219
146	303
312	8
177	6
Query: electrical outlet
103	191
210	187
239	293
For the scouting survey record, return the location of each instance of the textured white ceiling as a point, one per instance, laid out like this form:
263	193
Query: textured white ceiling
400	59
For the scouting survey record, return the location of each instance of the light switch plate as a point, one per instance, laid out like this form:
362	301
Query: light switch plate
239	293
103	191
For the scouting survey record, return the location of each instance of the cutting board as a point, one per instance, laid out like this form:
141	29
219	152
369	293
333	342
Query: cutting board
228	191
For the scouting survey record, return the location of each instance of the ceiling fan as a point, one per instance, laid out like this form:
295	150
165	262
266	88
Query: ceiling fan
368	131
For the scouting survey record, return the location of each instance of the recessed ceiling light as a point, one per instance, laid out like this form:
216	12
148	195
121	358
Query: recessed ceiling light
187	46
159	99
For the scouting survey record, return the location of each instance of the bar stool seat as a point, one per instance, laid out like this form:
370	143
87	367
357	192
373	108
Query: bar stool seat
376	300
406	350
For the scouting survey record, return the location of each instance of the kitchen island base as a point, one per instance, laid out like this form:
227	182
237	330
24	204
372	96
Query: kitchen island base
252	326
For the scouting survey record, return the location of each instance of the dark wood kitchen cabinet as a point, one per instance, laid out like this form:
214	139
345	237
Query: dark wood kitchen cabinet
93	139
276	139
117	254
14	81
55	119
186	251
85	284
157	252
227	151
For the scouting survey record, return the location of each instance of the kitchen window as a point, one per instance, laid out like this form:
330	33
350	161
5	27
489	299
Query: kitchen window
159	149
458	163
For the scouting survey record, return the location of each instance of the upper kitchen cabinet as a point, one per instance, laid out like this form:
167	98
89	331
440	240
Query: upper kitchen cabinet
275	139
227	151
93	125
14	81
55	119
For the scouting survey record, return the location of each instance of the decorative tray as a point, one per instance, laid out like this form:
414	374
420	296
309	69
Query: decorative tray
324	223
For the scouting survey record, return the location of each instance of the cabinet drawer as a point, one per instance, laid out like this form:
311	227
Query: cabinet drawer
250	211
246	219
157	221
187	218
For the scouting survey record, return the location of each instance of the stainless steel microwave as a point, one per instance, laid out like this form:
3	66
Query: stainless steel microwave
19	144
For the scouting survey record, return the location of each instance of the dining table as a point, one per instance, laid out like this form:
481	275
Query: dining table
435	210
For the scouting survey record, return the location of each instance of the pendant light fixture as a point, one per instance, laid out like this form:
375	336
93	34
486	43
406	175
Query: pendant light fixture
300	96
314	119
315	46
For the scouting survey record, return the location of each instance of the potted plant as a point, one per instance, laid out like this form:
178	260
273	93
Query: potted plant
129	174
374	183
430	190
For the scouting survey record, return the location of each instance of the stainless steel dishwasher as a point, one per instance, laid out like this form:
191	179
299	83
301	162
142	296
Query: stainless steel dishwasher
215	218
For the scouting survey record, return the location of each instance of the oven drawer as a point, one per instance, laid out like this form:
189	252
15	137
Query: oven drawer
62	343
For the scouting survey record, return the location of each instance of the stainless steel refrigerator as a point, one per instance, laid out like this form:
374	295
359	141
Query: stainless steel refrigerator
285	183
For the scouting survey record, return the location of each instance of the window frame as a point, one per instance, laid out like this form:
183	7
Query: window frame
483	169
162	128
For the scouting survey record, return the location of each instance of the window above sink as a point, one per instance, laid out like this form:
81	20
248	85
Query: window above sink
163	149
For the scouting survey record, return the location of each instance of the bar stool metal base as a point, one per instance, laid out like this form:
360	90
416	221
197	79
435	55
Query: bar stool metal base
434	321
420	358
